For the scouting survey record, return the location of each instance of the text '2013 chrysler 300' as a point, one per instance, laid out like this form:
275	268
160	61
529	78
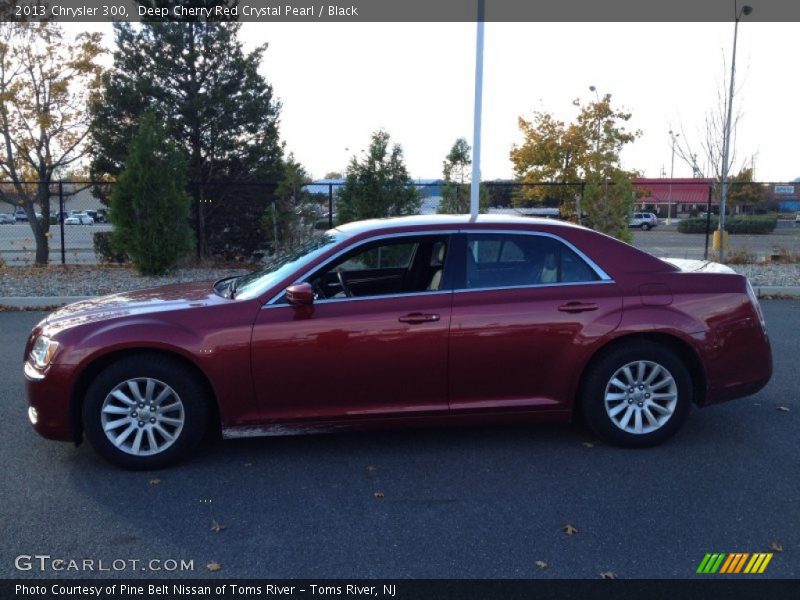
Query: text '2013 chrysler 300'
403	322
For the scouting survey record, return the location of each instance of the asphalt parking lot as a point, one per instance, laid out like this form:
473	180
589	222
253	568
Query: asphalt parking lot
463	503
665	241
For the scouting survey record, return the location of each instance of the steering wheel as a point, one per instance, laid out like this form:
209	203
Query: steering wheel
316	284
345	289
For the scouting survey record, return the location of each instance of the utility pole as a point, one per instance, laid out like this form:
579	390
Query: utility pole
671	177
726	143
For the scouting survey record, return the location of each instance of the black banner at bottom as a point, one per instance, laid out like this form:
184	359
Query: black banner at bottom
400	589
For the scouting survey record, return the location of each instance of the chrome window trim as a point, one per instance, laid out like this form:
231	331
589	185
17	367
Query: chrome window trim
354	299
604	277
533	286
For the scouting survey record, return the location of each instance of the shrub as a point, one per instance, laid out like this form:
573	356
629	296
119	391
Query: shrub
696	225
149	204
104	250
733	225
755	224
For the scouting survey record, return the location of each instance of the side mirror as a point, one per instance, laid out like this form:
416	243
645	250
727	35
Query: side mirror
300	294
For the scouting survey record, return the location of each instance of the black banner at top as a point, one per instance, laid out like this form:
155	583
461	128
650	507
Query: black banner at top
316	11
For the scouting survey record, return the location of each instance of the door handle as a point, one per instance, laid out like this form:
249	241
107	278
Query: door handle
416	317
577	307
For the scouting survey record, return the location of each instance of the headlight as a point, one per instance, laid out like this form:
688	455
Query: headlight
43	351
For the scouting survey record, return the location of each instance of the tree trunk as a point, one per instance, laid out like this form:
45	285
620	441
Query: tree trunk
41	228
202	244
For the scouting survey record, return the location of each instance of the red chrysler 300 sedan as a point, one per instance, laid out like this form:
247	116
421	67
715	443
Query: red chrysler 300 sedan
400	322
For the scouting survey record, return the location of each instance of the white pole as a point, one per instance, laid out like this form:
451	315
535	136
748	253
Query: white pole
476	131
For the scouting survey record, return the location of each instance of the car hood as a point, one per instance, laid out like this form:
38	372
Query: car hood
698	266
158	299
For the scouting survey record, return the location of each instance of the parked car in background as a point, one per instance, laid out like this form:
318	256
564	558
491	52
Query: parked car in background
410	321
98	216
21	216
797	219
6	219
57	217
643	221
79	218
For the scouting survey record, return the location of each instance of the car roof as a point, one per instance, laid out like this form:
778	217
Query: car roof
465	221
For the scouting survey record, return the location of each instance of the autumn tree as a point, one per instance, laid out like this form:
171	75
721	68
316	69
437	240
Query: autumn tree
217	108
587	150
378	185
743	192
457	172
149	204
46	82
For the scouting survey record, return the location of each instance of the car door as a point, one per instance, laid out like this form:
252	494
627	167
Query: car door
525	315
373	343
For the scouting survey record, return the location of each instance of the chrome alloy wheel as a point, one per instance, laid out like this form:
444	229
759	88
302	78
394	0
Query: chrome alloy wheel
142	416
641	397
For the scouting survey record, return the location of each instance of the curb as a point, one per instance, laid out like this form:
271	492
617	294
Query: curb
777	291
38	302
51	302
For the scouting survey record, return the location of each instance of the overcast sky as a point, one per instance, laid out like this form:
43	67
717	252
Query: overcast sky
340	82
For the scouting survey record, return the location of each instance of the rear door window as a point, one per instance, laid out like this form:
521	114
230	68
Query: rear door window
513	260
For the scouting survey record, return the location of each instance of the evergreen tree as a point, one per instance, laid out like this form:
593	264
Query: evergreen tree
149	204
220	112
378	186
456	194
289	221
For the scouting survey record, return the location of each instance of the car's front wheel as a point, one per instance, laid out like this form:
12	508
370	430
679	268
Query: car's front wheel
145	412
645	226
637	395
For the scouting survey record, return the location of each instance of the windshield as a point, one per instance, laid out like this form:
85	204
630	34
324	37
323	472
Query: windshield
256	283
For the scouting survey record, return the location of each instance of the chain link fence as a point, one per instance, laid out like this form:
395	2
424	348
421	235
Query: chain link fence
246	222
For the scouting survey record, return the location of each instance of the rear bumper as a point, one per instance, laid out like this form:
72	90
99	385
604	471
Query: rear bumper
49	397
742	366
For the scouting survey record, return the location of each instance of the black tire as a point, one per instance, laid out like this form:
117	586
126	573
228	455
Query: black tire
598	377
171	372
645	226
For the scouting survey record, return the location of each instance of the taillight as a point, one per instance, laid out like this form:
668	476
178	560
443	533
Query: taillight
751	293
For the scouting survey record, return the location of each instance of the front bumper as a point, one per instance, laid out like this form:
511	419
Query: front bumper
48	395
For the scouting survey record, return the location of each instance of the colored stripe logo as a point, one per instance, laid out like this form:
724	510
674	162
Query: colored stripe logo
734	562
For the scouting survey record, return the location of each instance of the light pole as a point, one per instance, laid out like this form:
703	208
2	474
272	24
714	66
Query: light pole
726	142
673	135
474	193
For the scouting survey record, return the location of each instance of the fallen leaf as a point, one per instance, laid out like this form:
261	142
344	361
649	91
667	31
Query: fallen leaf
371	468
776	547
216	527
378	495
587	445
784	408
569	529
213	566
541	564
608	575
155	481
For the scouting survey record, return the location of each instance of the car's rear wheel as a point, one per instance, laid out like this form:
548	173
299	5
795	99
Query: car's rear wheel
645	226
637	395
145	412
